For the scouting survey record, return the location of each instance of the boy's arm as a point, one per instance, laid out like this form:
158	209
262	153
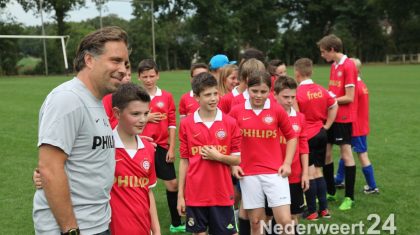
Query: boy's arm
211	153
153	214
285	169
332	113
183	168
170	156
304	160
348	97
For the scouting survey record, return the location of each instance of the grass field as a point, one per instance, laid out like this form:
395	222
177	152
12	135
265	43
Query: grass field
393	148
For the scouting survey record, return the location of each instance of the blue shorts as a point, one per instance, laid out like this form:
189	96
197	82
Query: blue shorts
217	219
359	144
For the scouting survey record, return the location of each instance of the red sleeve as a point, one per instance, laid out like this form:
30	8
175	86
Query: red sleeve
350	73
303	137
182	108
183	140
284	123
152	172
225	103
330	99
107	102
236	138
171	111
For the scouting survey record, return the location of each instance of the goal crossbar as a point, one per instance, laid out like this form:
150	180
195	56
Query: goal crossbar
62	38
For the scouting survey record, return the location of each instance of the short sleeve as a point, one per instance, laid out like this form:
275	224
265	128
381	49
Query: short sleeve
60	119
183	140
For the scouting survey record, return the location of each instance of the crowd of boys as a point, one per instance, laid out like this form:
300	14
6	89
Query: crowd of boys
261	148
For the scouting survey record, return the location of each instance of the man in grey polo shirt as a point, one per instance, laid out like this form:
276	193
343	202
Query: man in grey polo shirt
76	148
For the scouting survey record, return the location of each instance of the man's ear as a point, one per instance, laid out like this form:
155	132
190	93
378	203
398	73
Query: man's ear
89	60
117	112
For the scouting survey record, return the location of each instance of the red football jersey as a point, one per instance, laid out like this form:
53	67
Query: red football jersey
225	101
361	123
107	102
342	75
130	202
297	120
261	152
187	104
314	101
162	102
208	183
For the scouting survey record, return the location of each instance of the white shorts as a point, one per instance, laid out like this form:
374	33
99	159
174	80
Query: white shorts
255	187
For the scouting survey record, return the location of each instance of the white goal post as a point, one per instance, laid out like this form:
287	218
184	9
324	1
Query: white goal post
63	42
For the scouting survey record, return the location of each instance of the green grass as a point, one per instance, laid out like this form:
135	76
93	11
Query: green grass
27	64
393	147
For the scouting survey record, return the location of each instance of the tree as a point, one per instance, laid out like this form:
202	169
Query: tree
9	49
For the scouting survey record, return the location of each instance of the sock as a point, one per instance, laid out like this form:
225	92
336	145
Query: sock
172	198
369	176
244	227
310	196
339	177
321	193
350	177
329	178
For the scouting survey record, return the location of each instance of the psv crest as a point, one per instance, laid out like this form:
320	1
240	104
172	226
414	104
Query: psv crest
339	73
295	127
268	120
160	104
221	134
146	164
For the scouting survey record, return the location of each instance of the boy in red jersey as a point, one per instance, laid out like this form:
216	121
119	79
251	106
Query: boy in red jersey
161	128
320	110
276	68
132	202
264	169
187	103
359	138
209	145
285	93
343	84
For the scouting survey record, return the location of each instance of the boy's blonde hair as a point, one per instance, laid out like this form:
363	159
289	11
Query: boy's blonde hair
249	66
304	67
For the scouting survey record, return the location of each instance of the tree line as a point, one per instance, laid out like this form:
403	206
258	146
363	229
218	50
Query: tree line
188	30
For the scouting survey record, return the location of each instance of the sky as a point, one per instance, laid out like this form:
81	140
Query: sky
14	9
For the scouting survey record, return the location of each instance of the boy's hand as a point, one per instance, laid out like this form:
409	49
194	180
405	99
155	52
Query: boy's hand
154	117
181	206
305	182
36	178
210	153
150	139
237	172
170	156
285	170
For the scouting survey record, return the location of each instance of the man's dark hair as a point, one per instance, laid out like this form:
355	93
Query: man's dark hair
203	81
253	53
129	92
94	44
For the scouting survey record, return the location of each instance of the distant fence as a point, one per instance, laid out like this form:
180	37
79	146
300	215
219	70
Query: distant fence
403	58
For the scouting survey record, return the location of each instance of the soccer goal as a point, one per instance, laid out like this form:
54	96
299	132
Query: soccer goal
403	58
64	40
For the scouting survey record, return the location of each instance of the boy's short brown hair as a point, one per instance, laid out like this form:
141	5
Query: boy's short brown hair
147	64
284	82
330	42
304	67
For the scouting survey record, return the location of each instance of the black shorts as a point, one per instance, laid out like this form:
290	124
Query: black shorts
340	133
318	148
217	219
296	198
164	170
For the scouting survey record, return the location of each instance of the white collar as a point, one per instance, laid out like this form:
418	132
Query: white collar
191	93
198	119
158	92
343	58
292	112
119	144
306	82
235	91
246	94
249	107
